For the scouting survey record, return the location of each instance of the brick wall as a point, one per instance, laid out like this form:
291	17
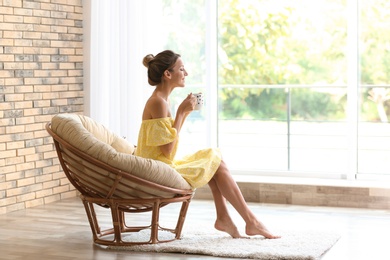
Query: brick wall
41	74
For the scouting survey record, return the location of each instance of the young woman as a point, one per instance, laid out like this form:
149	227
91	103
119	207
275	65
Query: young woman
158	139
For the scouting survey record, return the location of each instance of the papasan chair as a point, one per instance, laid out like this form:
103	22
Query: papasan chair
102	167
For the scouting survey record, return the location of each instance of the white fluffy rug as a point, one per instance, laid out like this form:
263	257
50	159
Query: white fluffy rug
292	246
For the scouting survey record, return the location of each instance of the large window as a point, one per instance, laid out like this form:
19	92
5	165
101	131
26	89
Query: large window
374	91
295	88
282	83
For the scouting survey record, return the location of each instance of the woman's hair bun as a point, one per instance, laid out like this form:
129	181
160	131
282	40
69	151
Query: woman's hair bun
148	58
158	64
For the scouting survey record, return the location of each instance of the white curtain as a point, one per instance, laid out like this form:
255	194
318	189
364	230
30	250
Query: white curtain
117	35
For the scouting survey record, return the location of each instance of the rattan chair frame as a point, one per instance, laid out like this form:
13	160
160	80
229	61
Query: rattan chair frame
106	186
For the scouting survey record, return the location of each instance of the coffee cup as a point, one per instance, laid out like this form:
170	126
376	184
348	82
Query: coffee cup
199	101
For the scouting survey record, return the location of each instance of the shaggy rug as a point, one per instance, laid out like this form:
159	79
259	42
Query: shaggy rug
292	246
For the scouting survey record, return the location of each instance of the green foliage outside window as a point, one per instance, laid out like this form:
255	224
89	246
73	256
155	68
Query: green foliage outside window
264	43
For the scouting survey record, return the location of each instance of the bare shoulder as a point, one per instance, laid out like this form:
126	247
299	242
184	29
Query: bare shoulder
156	107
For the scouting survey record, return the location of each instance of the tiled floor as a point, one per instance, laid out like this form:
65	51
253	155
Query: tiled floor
59	231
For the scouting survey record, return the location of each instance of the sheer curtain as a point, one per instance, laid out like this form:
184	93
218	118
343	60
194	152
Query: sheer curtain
116	38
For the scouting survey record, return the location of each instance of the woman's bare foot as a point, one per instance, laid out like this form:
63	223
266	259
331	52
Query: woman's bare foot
228	227
258	228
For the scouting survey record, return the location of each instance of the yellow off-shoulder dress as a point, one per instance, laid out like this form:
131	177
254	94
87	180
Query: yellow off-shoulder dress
197	169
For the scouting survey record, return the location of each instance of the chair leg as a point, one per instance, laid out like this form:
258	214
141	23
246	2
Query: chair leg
93	222
122	221
117	222
155	222
181	219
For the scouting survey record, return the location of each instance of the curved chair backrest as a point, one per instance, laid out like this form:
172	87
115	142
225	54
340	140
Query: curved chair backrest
102	167
101	164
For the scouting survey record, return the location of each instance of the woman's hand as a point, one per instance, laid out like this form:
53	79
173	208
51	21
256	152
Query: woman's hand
188	104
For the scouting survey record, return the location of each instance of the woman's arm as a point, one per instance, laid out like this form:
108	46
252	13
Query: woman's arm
160	109
185	108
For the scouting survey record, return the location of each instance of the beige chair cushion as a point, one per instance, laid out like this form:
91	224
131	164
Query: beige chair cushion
99	142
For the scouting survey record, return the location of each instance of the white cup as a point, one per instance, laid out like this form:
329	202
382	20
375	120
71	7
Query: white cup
199	101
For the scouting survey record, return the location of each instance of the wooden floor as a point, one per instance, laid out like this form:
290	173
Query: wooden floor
60	230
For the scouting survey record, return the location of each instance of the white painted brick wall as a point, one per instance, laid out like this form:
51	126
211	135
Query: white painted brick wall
40	75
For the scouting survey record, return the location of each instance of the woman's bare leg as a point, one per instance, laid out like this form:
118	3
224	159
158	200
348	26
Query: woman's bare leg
229	189
223	222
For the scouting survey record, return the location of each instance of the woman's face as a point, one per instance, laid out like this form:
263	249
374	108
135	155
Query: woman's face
179	73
